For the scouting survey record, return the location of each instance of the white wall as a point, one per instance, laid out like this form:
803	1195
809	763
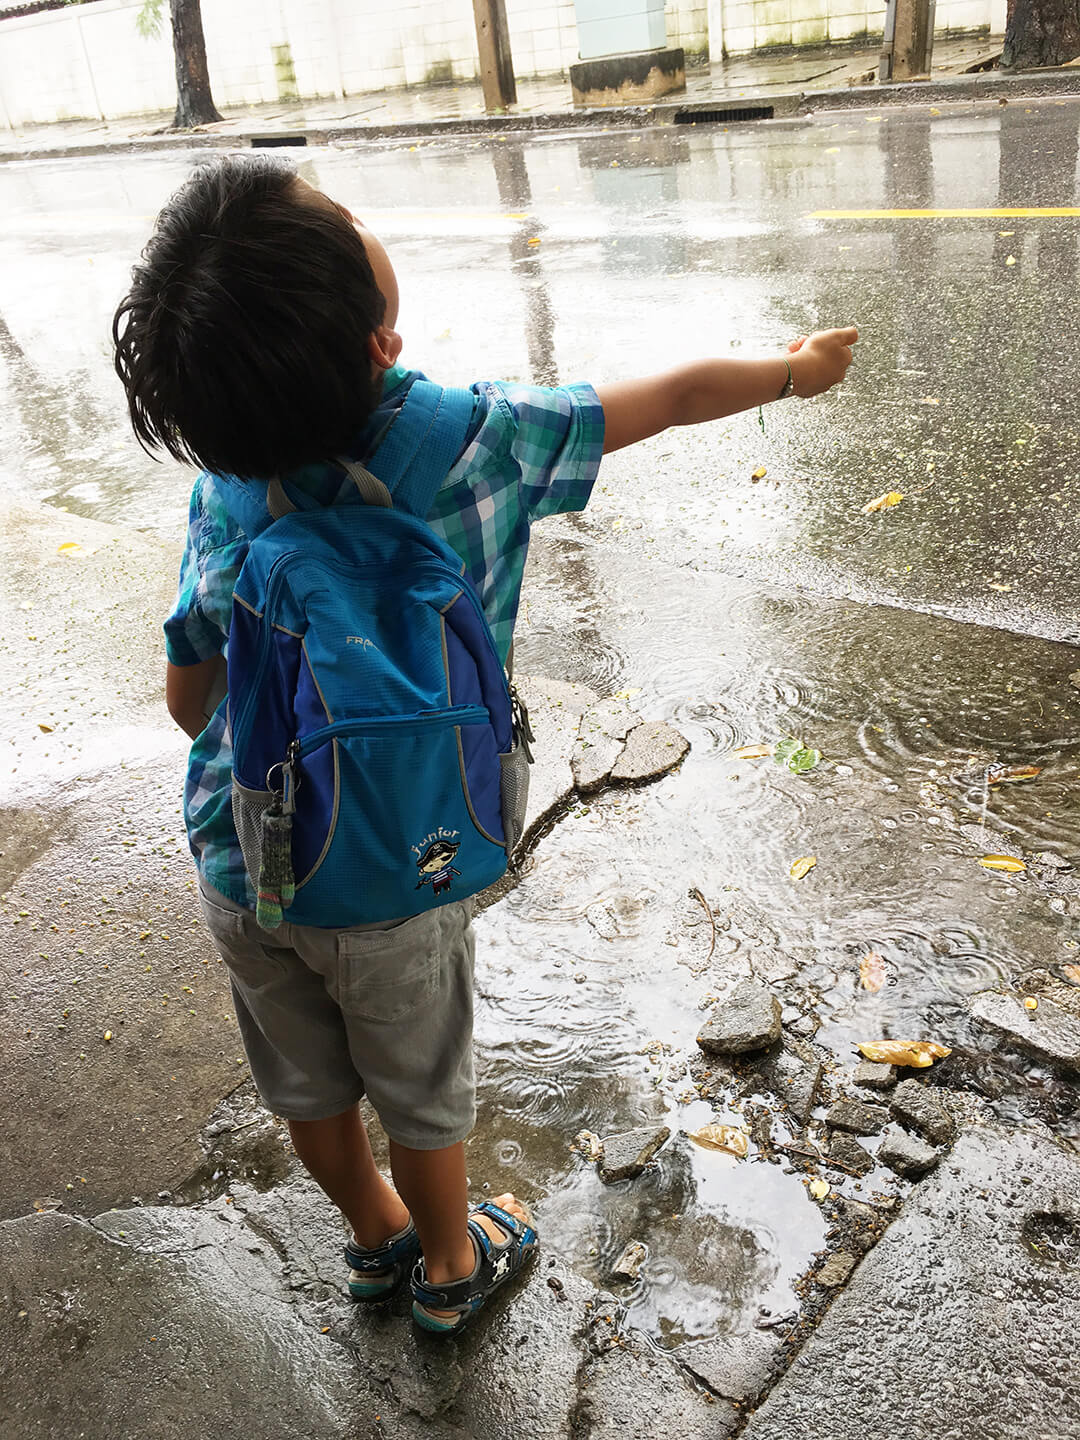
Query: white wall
740	26
88	61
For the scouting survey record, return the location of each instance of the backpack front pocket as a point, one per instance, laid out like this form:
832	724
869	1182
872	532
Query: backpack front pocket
415	833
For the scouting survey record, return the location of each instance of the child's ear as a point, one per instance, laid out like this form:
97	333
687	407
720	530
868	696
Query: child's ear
384	347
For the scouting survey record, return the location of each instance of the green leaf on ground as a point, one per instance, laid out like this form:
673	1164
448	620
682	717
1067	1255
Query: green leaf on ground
797	757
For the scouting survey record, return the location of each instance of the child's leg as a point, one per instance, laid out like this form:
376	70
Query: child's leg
433	1185
337	1155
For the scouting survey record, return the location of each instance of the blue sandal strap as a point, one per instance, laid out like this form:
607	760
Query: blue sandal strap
398	1249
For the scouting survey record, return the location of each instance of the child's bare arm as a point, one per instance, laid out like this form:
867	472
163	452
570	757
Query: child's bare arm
711	389
188	690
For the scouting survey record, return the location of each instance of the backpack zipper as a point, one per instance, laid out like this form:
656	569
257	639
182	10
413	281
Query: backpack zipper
423	720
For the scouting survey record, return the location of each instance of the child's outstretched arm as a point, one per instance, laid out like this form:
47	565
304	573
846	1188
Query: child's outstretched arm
711	389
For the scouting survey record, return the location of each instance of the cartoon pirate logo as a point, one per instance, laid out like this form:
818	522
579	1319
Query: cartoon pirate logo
435	866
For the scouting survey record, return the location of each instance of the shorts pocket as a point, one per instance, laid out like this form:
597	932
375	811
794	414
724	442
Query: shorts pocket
247	960
384	975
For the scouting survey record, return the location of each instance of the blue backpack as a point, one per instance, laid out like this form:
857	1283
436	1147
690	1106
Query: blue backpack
380	756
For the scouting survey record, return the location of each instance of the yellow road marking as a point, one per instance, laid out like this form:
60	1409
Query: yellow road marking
1037	212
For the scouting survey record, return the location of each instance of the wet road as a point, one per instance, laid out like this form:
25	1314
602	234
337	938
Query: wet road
610	255
726	605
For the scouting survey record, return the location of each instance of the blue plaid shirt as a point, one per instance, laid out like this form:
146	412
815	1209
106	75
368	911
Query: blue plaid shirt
531	452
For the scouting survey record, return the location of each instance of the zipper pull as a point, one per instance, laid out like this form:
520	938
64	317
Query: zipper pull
522	728
288	779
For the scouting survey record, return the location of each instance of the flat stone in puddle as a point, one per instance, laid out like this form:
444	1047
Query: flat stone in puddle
601	736
749	1019
907	1155
626	1156
874	1076
856	1117
651	750
918	1108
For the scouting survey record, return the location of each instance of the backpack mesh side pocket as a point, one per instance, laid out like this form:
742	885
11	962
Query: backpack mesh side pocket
514	794
248	808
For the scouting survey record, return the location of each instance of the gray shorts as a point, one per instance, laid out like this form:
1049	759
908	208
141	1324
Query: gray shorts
327	1016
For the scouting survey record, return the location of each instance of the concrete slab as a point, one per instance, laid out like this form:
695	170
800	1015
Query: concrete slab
952	1326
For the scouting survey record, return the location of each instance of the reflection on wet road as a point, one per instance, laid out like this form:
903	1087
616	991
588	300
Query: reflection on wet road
725	602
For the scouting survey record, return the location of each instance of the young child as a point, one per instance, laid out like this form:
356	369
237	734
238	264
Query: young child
258	340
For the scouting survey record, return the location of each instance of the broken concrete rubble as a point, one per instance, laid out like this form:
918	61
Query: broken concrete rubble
856	1117
1050	1032
918	1108
849	1153
907	1155
749	1019
874	1076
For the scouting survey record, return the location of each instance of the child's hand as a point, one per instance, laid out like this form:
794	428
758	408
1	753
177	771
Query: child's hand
820	361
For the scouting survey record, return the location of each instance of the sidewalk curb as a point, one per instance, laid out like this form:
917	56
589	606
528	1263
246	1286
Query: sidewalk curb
723	108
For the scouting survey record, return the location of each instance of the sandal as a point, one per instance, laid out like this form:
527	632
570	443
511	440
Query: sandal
495	1264
377	1275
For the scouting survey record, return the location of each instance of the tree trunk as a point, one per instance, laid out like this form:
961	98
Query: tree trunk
1041	32
194	103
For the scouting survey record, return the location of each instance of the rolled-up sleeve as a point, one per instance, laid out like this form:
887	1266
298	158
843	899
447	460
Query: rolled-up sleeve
557	444
198	626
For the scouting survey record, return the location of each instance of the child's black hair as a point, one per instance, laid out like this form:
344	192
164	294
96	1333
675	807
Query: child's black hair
242	343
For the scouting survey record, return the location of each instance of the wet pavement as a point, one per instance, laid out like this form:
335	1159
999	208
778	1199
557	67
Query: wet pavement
913	647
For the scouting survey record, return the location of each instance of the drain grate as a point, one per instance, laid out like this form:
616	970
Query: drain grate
724	117
275	142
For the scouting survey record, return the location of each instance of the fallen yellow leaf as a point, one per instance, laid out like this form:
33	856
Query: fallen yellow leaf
759	473
45	729
918	1053
883	502
722	1137
1030	1003
872	971
1009	863
802	866
753	752
69	547
108	1034
1010	260
1009	774
819	1189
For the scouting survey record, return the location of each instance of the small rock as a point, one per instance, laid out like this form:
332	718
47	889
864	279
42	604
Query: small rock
849	1153
907	1155
749	1019
1074	679
873	1076
626	1155
918	1108
790	1071
1049	1033
836	1270
806	1026
651	750
856	1117
630	1261
1052	860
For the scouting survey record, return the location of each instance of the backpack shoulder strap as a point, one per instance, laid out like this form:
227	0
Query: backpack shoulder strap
422	444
